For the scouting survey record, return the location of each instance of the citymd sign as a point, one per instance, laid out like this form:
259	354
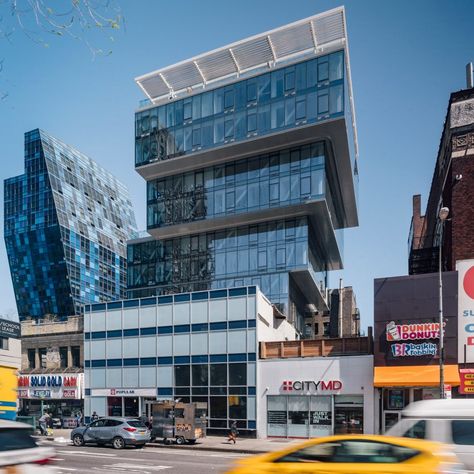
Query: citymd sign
465	270
311	385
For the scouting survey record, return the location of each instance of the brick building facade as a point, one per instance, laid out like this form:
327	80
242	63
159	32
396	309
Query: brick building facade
452	186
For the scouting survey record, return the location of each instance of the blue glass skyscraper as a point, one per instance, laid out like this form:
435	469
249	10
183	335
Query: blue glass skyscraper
67	221
250	157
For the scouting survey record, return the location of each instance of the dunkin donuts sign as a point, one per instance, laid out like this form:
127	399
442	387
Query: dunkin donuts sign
411	332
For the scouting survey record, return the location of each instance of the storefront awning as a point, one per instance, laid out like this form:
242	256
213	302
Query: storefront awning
415	376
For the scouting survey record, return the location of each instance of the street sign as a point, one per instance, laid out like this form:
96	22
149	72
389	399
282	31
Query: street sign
466	377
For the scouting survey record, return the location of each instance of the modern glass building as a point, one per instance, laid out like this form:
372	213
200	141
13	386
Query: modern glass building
67	221
250	157
200	347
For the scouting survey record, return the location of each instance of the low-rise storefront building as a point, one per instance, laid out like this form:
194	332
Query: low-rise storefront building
304	397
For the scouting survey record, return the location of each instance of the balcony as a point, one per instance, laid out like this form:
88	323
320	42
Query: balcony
317	347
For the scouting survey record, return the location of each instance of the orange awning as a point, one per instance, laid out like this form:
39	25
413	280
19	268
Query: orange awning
415	376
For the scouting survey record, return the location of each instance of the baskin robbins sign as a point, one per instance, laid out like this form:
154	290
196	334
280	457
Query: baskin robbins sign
402	336
465	270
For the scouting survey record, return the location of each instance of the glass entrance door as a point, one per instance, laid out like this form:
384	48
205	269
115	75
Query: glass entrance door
389	419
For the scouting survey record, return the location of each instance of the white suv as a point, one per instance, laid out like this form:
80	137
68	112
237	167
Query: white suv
19	451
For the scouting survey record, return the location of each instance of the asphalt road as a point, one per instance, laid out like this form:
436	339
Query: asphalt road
91	459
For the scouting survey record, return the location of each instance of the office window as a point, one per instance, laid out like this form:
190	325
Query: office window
76	356
32	358
42	357
200	375
218	374
63	357
181	375
237	374
251	122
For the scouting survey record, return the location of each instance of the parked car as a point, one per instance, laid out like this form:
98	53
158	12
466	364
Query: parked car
19	452
448	421
348	454
119	432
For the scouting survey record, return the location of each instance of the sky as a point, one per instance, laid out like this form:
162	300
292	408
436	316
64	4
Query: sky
406	58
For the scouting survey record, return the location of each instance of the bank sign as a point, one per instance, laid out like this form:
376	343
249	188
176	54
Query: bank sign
465	270
51	386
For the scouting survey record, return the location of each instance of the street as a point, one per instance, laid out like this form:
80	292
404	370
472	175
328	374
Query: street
146	461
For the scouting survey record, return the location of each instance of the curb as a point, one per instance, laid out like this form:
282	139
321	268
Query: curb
207	448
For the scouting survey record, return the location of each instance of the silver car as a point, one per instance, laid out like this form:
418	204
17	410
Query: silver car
119	432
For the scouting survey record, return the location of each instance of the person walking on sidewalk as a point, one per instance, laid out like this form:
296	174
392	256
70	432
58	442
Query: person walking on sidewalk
233	432
43	424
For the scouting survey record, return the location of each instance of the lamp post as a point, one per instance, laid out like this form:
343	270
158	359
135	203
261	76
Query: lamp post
443	215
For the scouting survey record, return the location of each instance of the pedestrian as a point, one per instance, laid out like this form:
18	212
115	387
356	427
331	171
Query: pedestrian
94	416
144	418
79	418
43	424
50	424
233	432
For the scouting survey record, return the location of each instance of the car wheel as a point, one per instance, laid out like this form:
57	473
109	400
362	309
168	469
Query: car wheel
167	441
78	440
180	440
118	443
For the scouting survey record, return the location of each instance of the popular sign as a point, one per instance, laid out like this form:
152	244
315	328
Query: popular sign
311	385
465	270
411	332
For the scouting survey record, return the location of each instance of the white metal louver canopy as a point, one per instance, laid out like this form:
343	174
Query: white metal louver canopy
310	35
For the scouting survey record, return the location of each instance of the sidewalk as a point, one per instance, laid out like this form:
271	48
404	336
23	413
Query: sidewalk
210	443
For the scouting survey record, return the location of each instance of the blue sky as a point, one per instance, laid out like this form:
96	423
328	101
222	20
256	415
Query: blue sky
406	58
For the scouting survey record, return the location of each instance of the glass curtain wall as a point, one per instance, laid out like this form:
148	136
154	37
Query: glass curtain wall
290	176
289	97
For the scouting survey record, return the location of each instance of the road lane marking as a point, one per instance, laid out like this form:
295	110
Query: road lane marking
131	467
89	453
59	468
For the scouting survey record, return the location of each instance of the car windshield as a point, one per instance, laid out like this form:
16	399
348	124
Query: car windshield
136	424
16	438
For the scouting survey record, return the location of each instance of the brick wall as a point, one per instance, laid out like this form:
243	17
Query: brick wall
461	227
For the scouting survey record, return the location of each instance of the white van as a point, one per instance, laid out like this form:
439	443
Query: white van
448	421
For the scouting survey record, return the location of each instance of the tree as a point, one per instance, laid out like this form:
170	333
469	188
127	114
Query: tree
43	20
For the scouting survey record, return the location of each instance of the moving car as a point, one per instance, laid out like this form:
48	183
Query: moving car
19	452
447	421
119	432
349	454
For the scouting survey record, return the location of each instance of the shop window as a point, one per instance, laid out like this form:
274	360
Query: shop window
130	406
463	432
114	406
298	416
218	407
237	407
320	416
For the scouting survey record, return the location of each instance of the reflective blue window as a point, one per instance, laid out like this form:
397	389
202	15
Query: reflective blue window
242	110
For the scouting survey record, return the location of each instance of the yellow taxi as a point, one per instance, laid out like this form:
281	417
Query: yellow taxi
351	454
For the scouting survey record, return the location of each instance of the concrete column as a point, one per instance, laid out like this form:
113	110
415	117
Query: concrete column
69	357
37	359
